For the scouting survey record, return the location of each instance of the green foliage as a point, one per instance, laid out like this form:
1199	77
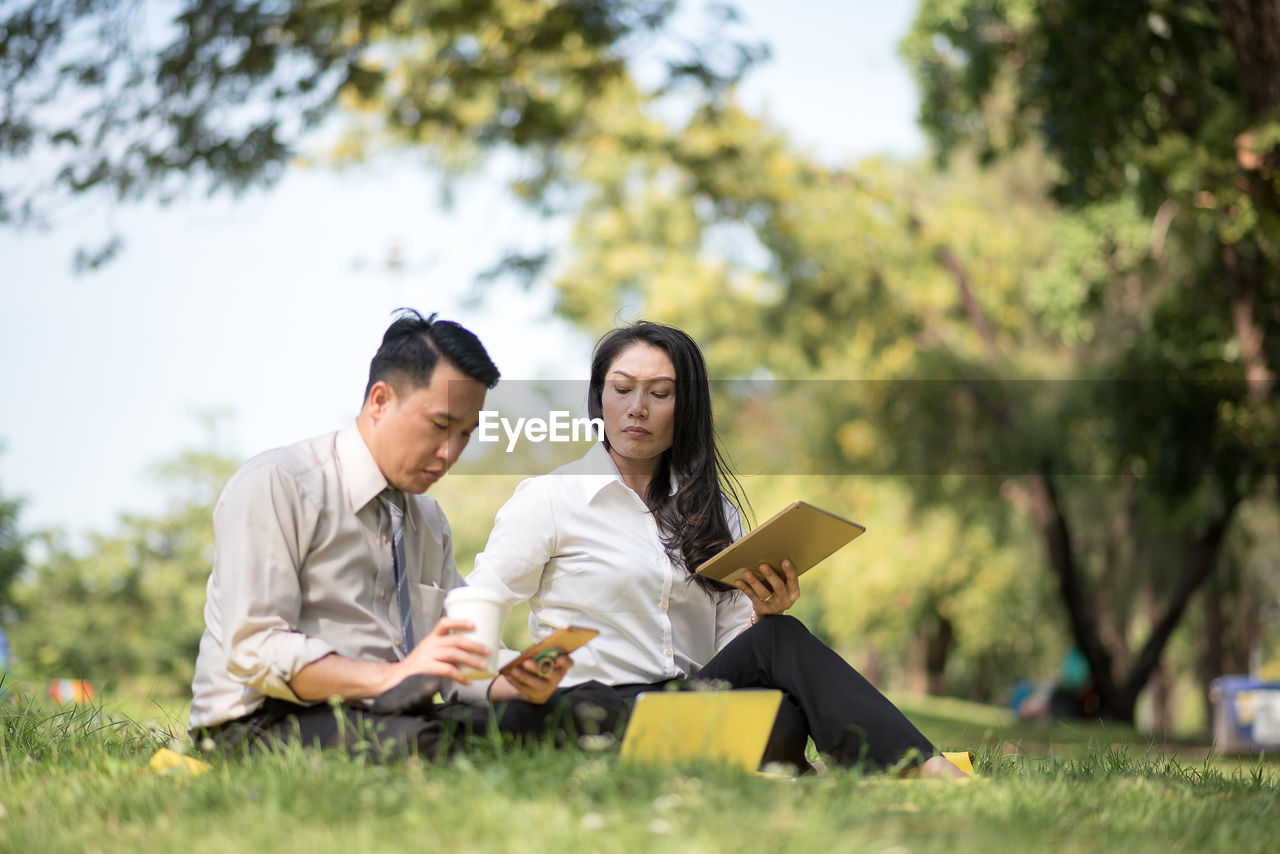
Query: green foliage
222	93
1159	119
130	607
999	344
12	551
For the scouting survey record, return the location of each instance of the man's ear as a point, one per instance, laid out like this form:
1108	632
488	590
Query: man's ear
381	397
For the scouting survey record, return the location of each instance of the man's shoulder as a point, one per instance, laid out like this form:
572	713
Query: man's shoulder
297	464
428	506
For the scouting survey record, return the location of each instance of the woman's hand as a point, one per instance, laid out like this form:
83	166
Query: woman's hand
529	683
771	591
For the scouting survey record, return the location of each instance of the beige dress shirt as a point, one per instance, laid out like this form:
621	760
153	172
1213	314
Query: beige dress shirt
584	550
302	568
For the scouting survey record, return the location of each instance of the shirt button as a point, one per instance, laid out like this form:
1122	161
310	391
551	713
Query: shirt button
664	606
668	653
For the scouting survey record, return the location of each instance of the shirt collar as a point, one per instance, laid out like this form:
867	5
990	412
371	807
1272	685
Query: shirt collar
598	465
362	478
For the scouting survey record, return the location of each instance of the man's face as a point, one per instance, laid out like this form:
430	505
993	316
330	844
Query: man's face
416	436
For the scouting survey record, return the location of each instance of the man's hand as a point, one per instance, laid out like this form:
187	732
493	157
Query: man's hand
525	683
444	654
438	654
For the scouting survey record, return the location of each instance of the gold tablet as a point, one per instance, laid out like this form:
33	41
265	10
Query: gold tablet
800	531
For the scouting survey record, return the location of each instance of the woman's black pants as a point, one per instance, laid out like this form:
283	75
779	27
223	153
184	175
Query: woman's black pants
823	697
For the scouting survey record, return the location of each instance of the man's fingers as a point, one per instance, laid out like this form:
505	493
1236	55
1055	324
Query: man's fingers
448	625
466	643
445	670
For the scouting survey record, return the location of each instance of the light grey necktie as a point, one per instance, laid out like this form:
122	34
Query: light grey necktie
393	500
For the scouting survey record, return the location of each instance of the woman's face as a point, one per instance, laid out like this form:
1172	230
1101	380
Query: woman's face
638	402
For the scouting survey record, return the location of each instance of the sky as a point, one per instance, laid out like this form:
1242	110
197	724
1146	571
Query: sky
265	311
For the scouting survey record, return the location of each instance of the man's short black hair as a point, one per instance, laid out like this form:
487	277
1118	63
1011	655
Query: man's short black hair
412	346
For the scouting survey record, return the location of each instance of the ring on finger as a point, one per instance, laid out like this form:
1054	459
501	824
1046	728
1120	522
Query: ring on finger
767	601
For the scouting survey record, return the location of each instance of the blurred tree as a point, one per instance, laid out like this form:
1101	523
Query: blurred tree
783	268
1173	109
130	608
13	558
1002	339
133	100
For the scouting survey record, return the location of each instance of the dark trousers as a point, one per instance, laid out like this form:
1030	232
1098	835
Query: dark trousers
823	697
432	730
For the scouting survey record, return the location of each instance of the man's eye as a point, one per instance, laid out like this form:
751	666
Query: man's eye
444	428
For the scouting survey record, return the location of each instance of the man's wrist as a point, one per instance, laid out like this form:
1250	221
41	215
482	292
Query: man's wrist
392	675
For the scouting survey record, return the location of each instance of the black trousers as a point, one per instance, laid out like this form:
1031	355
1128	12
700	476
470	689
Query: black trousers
431	730
850	721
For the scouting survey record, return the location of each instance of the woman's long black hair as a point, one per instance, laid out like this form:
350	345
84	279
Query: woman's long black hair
692	520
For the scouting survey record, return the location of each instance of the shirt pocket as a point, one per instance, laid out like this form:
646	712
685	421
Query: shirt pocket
427	601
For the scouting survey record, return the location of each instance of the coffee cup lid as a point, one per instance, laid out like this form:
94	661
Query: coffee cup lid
473	594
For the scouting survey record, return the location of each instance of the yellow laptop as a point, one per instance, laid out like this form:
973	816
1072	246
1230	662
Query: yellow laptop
719	726
800	531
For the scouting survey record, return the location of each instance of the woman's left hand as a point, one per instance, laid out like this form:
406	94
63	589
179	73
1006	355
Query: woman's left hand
529	683
771	591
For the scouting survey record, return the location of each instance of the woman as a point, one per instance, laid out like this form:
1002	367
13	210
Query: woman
607	542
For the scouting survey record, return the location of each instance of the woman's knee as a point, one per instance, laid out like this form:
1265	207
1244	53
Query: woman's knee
780	626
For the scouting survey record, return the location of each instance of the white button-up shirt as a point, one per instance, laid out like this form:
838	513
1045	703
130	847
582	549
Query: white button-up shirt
584	550
302	568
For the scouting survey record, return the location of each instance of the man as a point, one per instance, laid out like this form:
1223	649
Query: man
330	567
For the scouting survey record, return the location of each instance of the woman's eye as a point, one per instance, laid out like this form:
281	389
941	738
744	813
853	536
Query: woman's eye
662	395
622	390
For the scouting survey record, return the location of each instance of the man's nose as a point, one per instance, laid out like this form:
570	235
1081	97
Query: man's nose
450	449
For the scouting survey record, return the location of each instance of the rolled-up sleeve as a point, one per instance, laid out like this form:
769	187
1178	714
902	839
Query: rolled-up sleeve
263	528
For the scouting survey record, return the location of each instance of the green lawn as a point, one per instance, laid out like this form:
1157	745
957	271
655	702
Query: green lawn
71	780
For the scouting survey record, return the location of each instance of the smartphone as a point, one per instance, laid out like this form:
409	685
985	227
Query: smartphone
545	652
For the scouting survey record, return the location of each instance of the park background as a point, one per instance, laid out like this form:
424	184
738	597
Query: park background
1029	341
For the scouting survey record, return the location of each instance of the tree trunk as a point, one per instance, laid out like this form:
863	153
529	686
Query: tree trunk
1254	29
917	668
1246	282
1118	698
938	640
1202	555
1212	659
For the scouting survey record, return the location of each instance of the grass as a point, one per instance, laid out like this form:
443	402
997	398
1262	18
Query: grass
71	779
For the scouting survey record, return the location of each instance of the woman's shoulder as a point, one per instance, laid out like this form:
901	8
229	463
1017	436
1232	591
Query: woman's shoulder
589	472
581	478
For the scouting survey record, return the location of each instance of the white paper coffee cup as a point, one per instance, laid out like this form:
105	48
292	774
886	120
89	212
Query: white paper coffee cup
485	610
